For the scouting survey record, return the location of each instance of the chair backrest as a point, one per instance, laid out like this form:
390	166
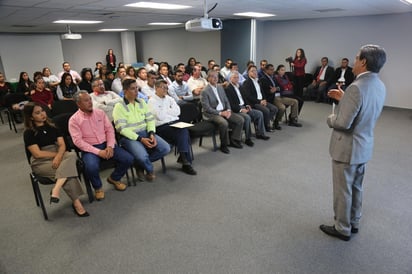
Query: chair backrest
189	113
62	122
14	98
63	106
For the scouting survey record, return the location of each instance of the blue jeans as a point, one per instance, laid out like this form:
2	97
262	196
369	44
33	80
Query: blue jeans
92	164
142	155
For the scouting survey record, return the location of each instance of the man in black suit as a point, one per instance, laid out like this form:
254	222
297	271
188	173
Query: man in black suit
322	79
256	98
273	95
343	75
238	106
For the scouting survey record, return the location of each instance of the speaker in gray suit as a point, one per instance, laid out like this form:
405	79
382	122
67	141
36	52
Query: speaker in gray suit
351	142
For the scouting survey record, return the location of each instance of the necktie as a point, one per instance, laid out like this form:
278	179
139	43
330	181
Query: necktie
320	73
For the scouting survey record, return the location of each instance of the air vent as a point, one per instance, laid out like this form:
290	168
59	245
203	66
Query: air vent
330	10
22	26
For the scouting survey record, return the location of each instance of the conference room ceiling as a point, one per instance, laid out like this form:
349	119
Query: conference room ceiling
37	16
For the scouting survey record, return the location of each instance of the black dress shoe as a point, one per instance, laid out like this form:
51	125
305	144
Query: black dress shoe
354	230
53	199
236	144
224	149
331	231
277	127
85	214
294	124
263	137
188	169
269	129
249	142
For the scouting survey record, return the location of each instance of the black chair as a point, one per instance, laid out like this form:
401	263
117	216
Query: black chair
191	113
63	106
9	100
37	180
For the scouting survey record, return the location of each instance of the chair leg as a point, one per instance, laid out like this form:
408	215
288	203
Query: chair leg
38	196
35	188
163	165
214	141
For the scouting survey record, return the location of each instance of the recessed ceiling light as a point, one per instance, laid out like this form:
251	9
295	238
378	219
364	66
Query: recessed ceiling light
153	5
407	2
77	22
164	24
113	29
254	14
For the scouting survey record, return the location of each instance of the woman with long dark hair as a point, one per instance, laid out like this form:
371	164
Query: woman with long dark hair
110	60
49	157
67	88
87	78
298	65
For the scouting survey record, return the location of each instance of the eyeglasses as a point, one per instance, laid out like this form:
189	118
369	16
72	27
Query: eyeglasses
164	87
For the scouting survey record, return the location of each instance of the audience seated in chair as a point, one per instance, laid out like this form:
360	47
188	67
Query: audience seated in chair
50	158
103	99
136	125
274	95
179	90
216	108
166	112
93	134
256	98
237	104
287	88
67	87
322	79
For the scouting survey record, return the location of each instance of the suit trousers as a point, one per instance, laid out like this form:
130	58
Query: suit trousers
235	122
281	103
178	137
347	195
269	111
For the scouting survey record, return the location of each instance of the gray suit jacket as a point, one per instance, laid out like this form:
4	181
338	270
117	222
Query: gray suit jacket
356	115
210	102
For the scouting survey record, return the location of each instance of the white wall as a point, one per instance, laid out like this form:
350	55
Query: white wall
342	37
177	45
91	48
30	53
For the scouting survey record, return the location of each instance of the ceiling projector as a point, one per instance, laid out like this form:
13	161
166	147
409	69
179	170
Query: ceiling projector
204	24
71	36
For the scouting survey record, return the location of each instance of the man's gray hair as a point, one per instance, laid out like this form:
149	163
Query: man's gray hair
76	96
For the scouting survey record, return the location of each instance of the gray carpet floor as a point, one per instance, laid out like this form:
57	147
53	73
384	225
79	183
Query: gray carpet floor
256	210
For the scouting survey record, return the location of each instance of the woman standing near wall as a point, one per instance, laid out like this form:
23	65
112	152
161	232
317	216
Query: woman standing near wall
299	71
111	60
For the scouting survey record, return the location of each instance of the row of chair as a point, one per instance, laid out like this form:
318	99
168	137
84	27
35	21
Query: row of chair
190	113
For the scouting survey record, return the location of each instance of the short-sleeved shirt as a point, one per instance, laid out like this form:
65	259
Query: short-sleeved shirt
45	135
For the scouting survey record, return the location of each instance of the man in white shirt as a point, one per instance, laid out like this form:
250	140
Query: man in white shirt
151	66
75	75
149	89
166	112
179	90
196	82
117	83
103	99
224	71
141	78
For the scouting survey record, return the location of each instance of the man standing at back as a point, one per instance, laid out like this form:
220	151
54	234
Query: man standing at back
351	143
